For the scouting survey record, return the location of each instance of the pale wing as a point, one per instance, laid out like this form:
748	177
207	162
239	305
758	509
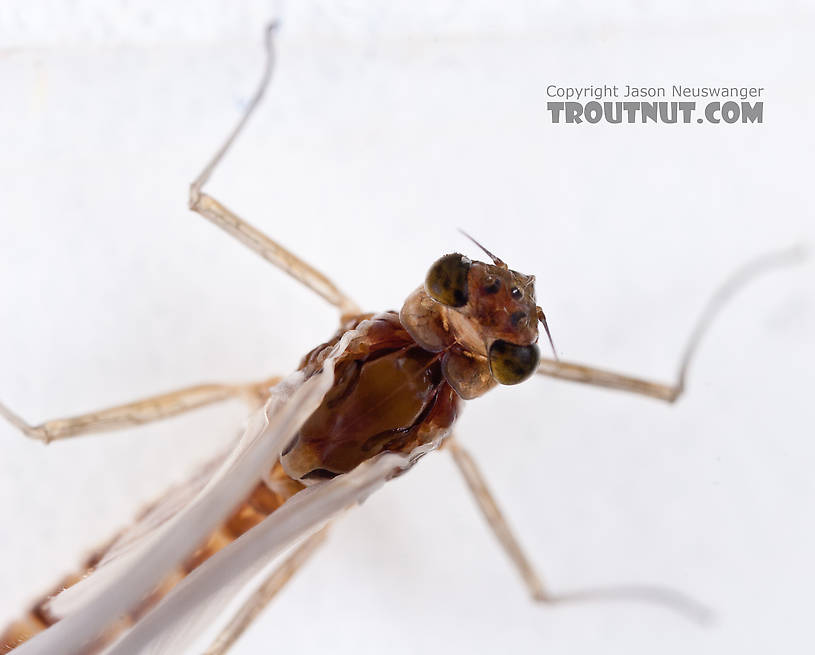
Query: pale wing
139	573
163	510
131	541
197	600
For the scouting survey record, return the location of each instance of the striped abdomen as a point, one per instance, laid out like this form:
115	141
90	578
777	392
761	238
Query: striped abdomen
261	502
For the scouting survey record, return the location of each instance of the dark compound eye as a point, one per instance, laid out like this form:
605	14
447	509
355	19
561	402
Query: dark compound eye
446	280
517	293
511	364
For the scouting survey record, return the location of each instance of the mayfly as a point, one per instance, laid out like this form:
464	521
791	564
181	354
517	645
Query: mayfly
362	408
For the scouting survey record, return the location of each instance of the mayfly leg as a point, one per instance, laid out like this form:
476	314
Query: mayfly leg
494	517
477	485
141	411
669	598
263	595
211	209
661	391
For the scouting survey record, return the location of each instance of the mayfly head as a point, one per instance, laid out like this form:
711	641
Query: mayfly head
485	318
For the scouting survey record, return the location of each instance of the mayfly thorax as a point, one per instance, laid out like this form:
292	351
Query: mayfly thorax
471	326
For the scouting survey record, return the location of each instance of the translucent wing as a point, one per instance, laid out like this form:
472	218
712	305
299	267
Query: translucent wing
130	542
159	513
193	604
119	587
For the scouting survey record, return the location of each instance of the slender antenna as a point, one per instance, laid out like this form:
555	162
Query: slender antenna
500	264
542	319
495	260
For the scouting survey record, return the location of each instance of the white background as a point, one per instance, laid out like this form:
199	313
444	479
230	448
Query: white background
386	128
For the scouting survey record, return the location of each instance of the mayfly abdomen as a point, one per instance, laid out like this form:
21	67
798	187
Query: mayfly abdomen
260	504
